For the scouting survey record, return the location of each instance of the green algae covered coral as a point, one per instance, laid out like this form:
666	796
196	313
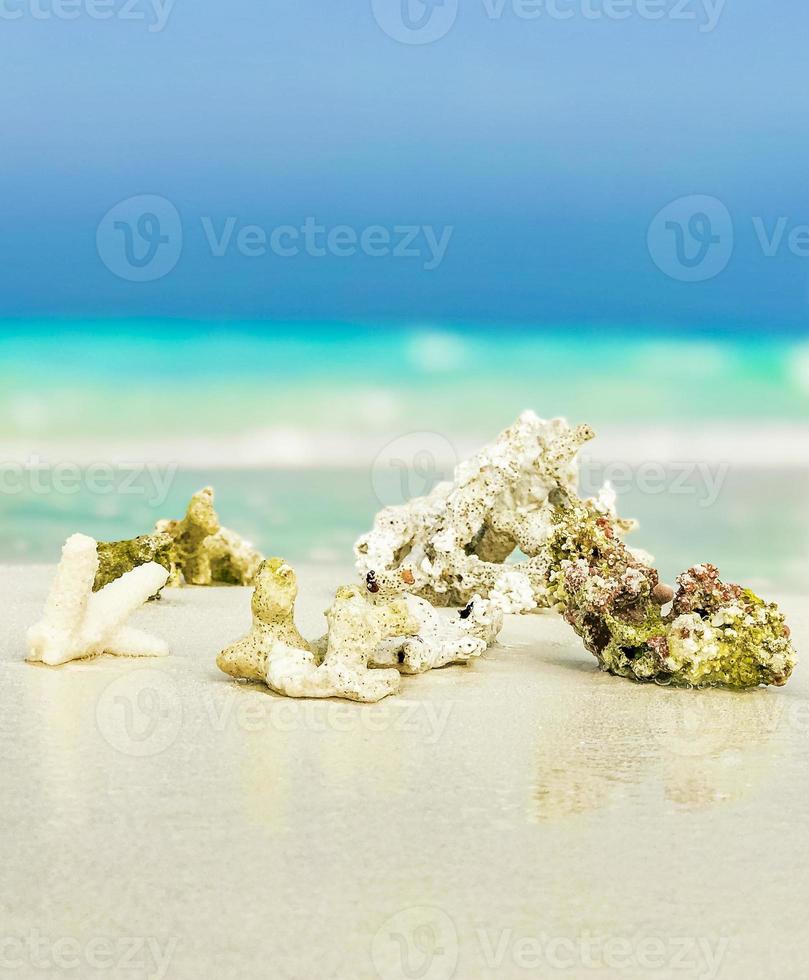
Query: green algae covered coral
116	558
196	550
204	552
711	634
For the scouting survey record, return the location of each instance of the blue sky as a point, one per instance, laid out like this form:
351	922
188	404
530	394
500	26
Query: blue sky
539	139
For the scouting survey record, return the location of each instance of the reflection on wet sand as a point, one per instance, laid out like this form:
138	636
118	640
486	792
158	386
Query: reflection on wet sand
695	748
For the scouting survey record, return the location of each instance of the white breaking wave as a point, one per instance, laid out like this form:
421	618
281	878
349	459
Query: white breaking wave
758	446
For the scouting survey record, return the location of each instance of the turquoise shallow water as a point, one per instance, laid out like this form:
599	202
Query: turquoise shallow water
86	393
756	530
126	380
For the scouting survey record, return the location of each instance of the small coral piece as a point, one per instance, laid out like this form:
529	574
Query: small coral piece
196	550
356	627
78	623
443	638
453	544
713	634
273	607
204	552
334	666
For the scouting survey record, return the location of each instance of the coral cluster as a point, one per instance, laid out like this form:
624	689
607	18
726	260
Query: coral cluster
196	550
337	665
372	637
452	544
710	634
78	623
519	493
453	547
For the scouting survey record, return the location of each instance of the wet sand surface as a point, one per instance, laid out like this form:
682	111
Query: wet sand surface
526	816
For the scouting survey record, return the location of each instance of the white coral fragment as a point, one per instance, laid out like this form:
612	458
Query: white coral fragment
513	593
442	638
356	628
78	623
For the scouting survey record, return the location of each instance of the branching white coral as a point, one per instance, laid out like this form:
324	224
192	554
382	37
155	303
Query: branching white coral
78	623
452	544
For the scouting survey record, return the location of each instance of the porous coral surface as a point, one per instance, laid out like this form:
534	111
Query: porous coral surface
453	544
707	633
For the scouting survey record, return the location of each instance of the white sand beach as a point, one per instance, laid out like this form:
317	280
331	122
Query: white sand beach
524	816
